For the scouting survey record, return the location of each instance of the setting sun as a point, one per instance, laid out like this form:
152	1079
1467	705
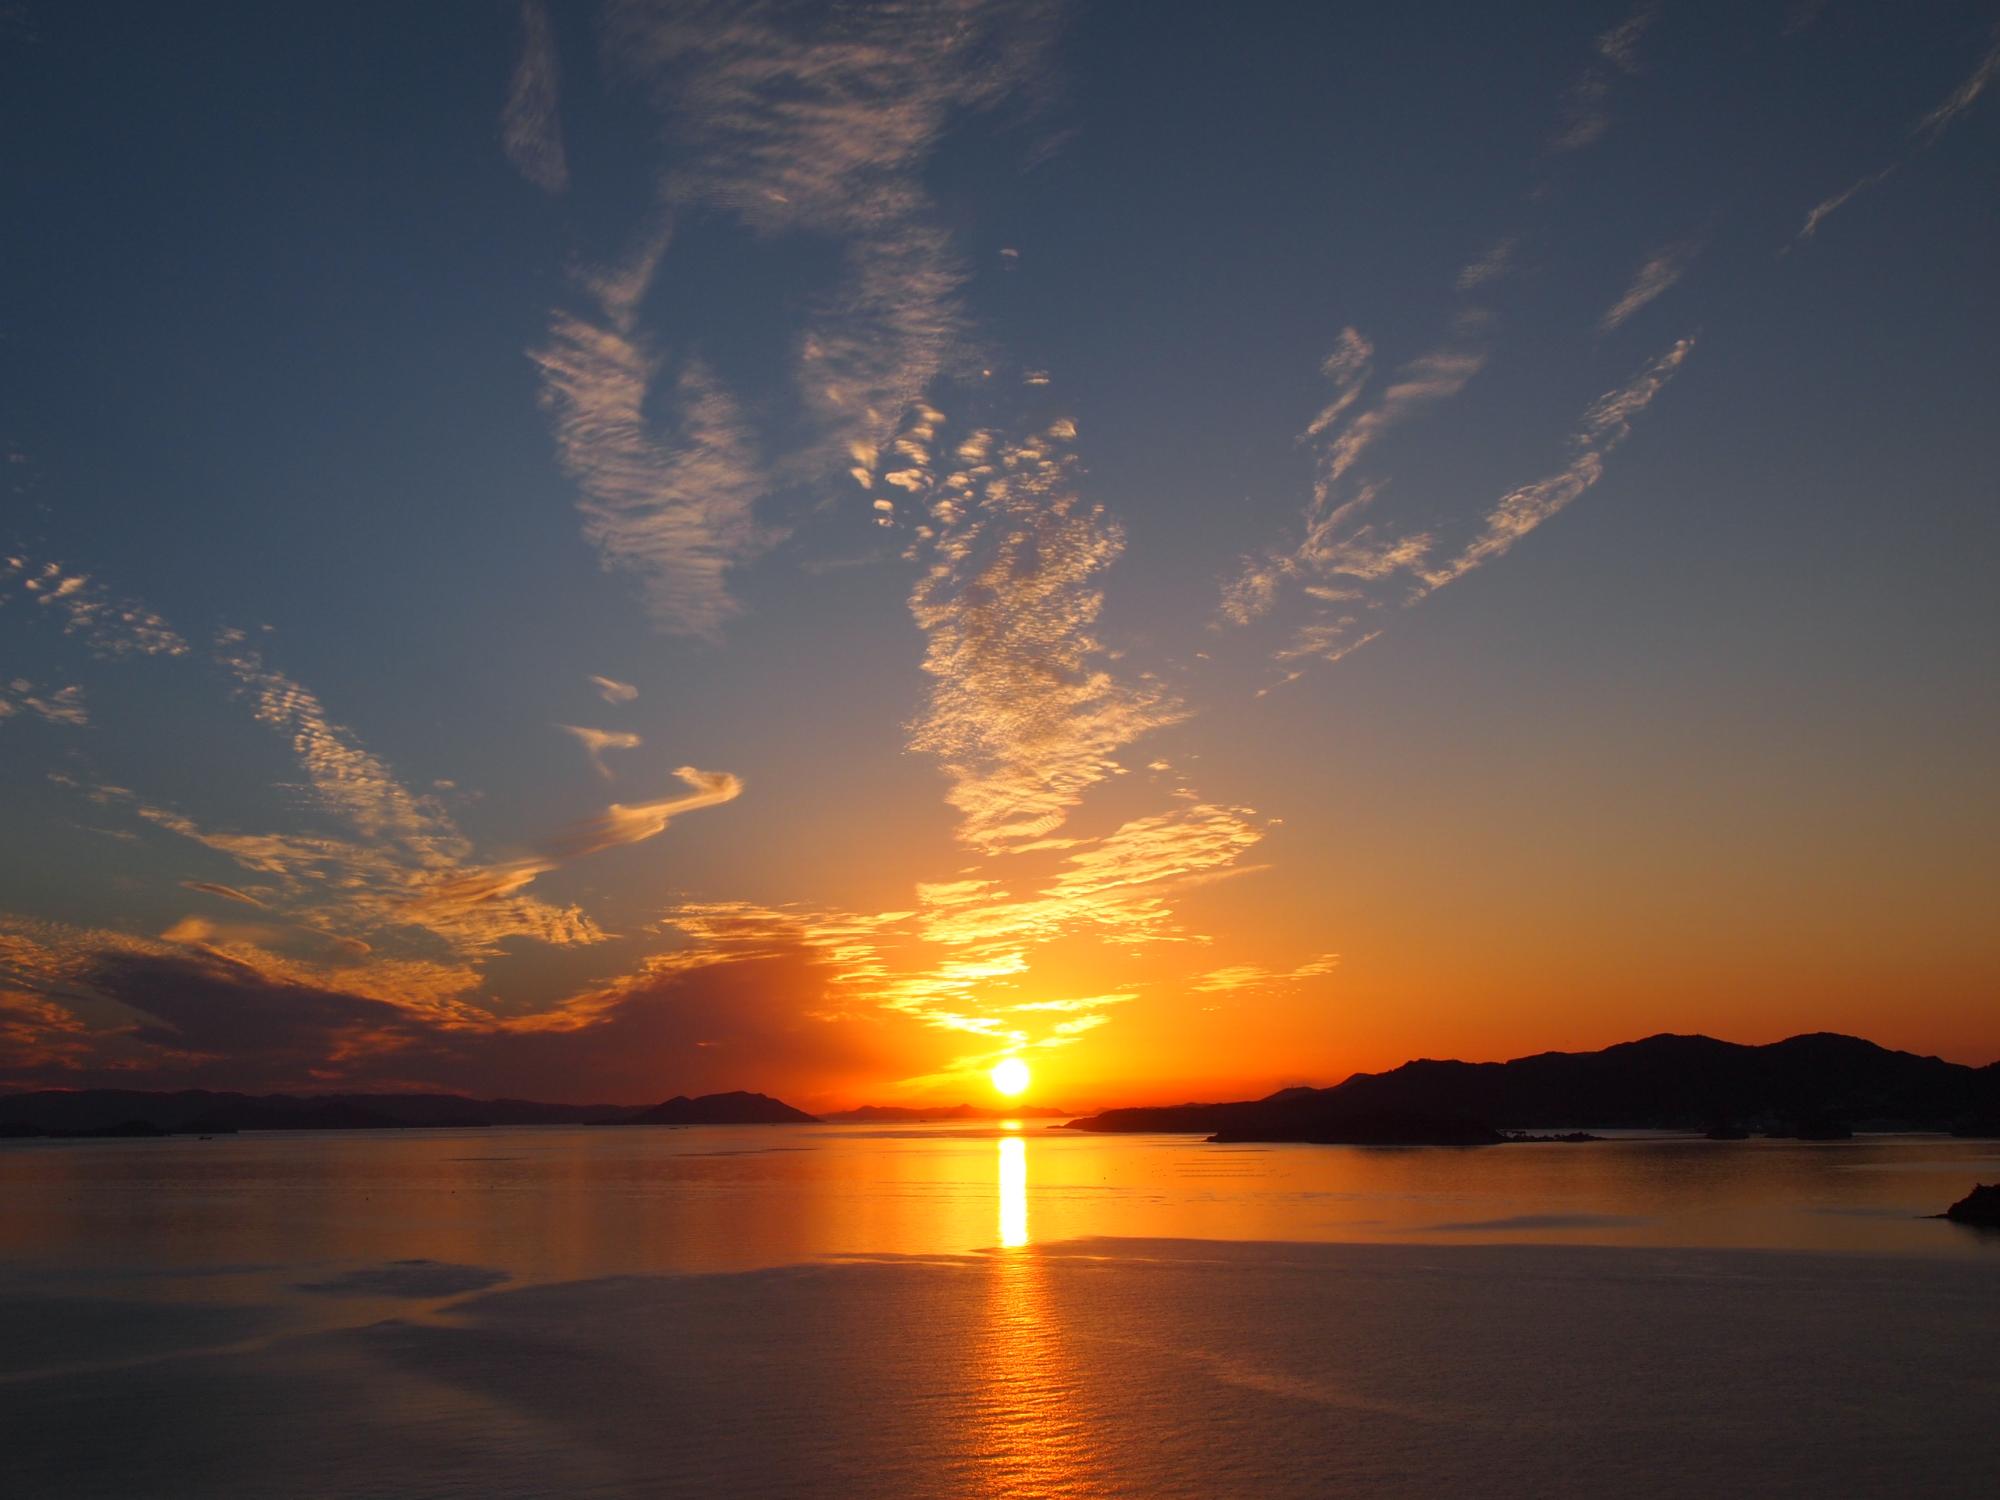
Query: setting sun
1010	1077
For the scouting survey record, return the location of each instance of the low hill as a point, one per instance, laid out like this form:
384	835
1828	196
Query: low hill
1820	1084
737	1108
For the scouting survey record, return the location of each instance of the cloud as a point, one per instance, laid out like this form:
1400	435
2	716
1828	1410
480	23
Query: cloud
1927	130
962	960
795	119
596	741
1827	206
226	892
40	1039
111	627
370	857
1494	265
1655	277
1605	425
1587	104
676	513
1256	977
1024	711
1337	545
622	824
466	891
1422	382
1620	45
611	690
131	1014
1351	567
395	847
63	706
1959	100
530	130
790	120
347	781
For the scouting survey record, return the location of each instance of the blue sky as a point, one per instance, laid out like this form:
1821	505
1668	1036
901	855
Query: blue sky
1201	546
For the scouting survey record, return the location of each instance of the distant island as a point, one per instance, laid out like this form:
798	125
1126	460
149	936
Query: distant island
736	1108
1821	1086
137	1113
935	1114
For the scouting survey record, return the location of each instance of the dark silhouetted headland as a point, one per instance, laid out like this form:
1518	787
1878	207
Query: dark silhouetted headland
1980	1207
1816	1087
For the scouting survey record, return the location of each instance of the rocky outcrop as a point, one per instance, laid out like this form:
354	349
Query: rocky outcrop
1980	1207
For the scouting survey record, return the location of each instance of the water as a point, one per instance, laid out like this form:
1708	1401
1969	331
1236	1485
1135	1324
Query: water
939	1311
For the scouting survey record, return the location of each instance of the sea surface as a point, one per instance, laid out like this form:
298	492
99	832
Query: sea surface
940	1311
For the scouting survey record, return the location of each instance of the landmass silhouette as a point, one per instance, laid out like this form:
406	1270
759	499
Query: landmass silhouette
735	1108
1821	1086
1980	1207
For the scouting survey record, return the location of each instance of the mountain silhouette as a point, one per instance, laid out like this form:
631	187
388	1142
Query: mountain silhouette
1818	1086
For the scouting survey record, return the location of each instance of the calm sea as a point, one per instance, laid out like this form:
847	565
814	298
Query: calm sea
859	1311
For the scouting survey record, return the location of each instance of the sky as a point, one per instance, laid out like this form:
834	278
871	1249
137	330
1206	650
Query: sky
593	552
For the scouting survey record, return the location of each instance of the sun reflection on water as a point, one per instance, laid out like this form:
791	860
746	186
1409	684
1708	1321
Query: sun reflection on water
1013	1192
1028	1436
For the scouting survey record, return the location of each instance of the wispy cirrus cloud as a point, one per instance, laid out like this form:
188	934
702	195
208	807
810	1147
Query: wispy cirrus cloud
1948	110
1024	711
1926	131
347	781
1350	567
1819	212
1336	544
1240	977
789	120
473	893
530	127
1493	265
374	888
795	119
1605	425
330	888
1587	113
1353	559
596	741
1656	276
611	690
226	892
675	511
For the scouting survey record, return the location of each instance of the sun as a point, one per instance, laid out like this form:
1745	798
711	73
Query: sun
1010	1077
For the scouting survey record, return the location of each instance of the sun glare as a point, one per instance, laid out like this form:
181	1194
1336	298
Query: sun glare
1010	1076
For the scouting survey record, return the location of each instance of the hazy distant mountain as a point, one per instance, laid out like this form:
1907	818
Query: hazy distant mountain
919	1114
1816	1084
199	1111
737	1108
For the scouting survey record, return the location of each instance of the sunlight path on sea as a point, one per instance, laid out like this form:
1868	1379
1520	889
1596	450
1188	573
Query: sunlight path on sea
1029	1434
